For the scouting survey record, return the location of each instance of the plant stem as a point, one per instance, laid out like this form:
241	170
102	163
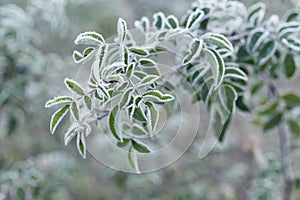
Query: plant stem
286	163
284	149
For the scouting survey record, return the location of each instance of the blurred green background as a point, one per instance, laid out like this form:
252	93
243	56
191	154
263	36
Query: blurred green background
36	45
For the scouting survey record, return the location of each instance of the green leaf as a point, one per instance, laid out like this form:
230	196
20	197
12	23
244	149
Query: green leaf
157	96
291	99
103	91
269	109
256	13
217	65
139	51
126	97
290	67
132	160
122	29
70	134
81	144
255	39
152	116
77	56
272	122
172	22
235	73
58	101
75	111
241	105
124	143
137	113
288	28
100	57
85	56
159	20
195	49
121	87
292	15
148	80
217	39
231	97
140	74
143	24
88	102
224	129
292	43
89	38
74	87
194	19
146	62
140	147
256	87
125	55
21	194
266	51
112	123
130	70
294	127
220	125
138	130
57	117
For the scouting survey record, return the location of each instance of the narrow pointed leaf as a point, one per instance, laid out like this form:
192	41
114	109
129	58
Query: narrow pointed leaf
132	160
130	70
57	117
157	96
112	123
89	38
290	67
194	19
139	51
58	101
74	87
195	49
172	22
122	29
219	40
75	110
146	62
147	80
81	144
272	122
159	20
140	147
217	65
292	43
70	134
152	116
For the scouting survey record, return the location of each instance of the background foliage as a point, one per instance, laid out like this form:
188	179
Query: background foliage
36	44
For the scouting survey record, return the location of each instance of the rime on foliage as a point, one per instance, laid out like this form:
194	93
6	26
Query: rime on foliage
227	44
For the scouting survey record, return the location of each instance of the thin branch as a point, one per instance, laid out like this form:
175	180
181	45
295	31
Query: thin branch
286	163
238	37
284	149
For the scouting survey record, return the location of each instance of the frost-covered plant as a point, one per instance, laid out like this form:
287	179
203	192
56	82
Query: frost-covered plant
231	57
40	177
22	59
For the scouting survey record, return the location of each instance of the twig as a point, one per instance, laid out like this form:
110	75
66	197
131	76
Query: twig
286	163
284	149
238	37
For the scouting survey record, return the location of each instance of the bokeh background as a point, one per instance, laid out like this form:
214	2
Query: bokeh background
36	44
